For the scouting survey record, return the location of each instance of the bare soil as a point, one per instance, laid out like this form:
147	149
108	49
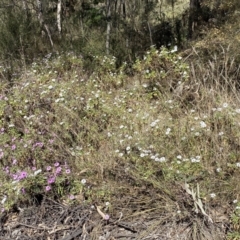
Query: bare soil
130	219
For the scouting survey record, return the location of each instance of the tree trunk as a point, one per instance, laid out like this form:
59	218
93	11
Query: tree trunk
150	33
108	31
40	12
43	25
26	10
24	5
59	22
194	13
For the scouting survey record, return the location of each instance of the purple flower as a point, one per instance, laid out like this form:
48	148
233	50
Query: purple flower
14	176
51	180
23	190
38	144
22	175
49	168
71	197
6	169
48	188
58	170
13	147
68	171
56	164
34	168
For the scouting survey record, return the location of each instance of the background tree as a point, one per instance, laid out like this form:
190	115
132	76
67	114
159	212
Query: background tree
125	29
194	15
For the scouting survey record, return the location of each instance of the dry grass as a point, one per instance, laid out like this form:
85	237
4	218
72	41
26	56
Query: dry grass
135	140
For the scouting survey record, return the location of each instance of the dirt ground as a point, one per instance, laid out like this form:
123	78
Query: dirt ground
50	220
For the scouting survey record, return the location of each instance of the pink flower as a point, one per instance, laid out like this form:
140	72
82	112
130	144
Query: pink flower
38	144
71	197
22	175
14	176
56	164
51	180
6	169
48	188
68	171
58	170
26	131
49	168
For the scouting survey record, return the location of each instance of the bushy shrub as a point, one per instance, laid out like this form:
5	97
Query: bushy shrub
162	69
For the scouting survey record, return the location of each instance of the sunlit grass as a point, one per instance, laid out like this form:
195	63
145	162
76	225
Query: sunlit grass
179	7
96	138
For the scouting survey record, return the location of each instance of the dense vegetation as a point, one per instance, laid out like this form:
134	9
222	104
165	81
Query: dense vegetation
150	108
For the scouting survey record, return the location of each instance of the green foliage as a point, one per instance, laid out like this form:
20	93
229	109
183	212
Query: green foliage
235	224
94	18
163	70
